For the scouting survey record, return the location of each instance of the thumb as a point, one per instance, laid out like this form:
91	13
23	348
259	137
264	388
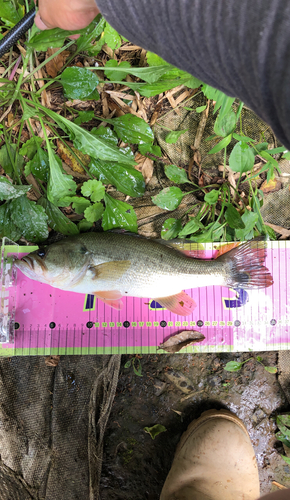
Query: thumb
40	24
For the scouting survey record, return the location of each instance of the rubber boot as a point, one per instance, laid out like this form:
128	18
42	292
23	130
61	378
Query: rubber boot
214	460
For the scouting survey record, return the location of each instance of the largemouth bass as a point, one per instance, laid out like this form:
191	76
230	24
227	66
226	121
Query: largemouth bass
111	266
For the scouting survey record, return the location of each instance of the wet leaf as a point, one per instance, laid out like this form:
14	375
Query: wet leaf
7	226
112	37
181	340
233	366
84	226
149	74
39	165
221	100
54	38
212	197
176	174
154	59
221	145
119	214
78	83
5	161
59	184
114	75
94	212
30	218
93	189
29	148
169	198
9	13
79	204
284	420
149	148
93	31
225	123
249	219
9	191
271	369
241	158
107	134
191	227
173	136
170	229
155	430
132	129
233	218
126	179
57	63
84	117
56	219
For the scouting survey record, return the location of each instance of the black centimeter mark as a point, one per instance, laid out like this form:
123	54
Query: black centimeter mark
52	325
90	324
16	326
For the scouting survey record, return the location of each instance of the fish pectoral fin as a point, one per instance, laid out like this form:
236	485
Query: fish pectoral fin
108	270
111	298
180	303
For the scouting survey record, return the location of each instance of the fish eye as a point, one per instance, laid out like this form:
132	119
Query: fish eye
41	252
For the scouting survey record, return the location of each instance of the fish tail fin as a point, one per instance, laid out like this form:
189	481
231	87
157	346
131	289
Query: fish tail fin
246	266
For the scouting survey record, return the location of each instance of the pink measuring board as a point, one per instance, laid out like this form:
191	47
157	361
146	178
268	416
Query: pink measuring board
51	321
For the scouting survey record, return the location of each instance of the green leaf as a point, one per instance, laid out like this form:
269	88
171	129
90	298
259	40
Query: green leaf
212	232
112	37
28	112
284	440
126	179
78	83
29	148
56	219
9	191
242	138
170	229
221	145
176	174
286	155
5	161
54	38
93	31
145	149
191	227
9	13
286	459
155	430
259	358
271	369
119	214
84	117
7	226
173	136
275	151
249	219
271	233
113	75
106	133
241	158
90	144
169	198
233	218
200	109
268	157
156	88
212	197
138	370
128	363
30	218
93	189
84	225
154	59
233	366
59	184
284	420
132	129
258	148
94	212
79	204
225	123
39	165
222	100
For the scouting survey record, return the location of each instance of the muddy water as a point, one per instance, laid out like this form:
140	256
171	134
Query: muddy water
173	390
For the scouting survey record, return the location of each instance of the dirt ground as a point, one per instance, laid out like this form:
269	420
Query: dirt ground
173	390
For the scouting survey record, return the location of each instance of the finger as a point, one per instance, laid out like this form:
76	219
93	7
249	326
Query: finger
40	24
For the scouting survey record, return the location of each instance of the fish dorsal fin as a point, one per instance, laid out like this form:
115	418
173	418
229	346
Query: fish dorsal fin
180	303
110	270
110	295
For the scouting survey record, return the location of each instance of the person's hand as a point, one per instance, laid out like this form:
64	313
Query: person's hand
65	14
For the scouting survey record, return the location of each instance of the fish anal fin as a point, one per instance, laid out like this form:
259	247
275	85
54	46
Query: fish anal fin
111	298
114	269
180	303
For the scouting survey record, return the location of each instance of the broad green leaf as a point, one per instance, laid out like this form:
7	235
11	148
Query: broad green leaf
78	83
145	149
286	155
213	232
79	204
169	198
257	148
221	145
222	100
7	226
271	369
30	218
170	229
233	218
5	160
241	158
191	227
173	136
93	31
200	109
271	233
84	117
106	133
93	189
59	184
149	74
132	129
9	13
94	212
152	89
112	37
275	151
9	191
28	112
84	225
111	74
154	59
286	459
39	165
268	157
54	38
282	438
284	420
119	214
249	219
126	179
94	96
29	148
225	123
233	366
242	138
212	197
155	430
56	219
90	144
176	174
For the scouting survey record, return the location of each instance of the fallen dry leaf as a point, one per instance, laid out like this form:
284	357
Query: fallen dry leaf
181	340
145	166
70	160
56	64
52	360
271	186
